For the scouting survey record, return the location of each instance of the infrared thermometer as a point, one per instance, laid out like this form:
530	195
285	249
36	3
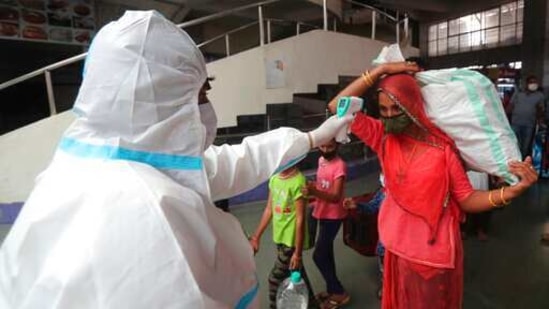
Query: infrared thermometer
347	106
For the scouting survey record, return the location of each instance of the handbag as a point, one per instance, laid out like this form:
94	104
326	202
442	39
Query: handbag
360	227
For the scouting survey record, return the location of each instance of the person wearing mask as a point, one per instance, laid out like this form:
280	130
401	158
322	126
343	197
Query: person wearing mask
210	120
527	110
427	192
328	190
123	216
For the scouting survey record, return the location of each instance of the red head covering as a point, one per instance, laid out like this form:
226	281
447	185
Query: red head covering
405	92
424	189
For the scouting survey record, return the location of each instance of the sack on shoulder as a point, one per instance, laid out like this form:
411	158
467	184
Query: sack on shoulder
466	105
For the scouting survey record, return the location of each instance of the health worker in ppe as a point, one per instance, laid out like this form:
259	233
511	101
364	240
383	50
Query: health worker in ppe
123	216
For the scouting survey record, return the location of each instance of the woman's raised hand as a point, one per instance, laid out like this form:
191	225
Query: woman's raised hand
399	67
527	174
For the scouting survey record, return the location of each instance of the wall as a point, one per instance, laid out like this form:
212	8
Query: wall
310	59
533	39
26	152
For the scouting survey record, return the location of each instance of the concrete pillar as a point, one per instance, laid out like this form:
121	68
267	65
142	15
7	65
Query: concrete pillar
535	40
545	75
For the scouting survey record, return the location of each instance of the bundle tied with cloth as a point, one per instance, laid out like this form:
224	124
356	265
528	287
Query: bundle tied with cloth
466	106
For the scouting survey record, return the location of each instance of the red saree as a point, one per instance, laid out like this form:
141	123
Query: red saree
419	219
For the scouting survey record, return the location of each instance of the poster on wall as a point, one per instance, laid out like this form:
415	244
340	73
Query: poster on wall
275	73
59	21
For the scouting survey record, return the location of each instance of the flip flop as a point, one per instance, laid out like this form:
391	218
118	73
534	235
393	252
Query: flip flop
331	303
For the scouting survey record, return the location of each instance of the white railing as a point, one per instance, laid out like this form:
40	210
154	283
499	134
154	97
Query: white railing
261	21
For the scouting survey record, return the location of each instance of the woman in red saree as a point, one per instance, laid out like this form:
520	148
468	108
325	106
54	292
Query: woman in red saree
427	193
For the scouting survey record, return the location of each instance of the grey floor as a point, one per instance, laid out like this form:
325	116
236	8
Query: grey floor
510	270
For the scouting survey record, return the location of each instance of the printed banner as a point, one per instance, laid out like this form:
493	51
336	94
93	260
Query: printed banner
60	21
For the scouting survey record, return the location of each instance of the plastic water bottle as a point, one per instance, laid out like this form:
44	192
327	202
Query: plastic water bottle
292	293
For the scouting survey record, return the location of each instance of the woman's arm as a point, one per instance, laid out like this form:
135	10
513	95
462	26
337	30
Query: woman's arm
368	78
265	219
295	262
480	201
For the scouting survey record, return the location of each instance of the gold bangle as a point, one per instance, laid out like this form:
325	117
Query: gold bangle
501	196
365	80
369	76
491	200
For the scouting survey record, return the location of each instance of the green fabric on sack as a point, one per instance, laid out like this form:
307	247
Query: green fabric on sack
474	98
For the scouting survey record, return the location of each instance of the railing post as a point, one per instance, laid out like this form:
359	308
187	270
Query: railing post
227	45
261	30
268	31
268	122
51	97
335	24
373	25
297	28
406	26
397	27
325	14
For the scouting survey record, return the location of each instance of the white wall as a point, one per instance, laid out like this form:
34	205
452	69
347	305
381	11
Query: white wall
312	58
25	152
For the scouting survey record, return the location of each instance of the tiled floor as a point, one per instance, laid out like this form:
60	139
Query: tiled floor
510	270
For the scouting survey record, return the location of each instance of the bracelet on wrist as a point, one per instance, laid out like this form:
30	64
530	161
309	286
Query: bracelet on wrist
367	78
491	200
502	198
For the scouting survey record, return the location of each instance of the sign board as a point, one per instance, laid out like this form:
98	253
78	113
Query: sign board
56	21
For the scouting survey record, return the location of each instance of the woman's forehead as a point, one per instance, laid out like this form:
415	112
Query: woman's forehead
384	99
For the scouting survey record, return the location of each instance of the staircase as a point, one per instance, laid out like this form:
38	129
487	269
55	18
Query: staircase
306	112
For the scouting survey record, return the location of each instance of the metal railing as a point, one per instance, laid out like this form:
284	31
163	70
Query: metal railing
261	21
396	19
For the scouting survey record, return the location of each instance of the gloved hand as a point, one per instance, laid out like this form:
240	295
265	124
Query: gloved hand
333	127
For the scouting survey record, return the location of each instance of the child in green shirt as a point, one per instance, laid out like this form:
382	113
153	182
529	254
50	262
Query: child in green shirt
286	207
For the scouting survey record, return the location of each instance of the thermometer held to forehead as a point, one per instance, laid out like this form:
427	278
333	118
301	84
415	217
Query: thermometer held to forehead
349	106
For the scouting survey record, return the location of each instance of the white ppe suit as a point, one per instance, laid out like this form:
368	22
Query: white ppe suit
123	216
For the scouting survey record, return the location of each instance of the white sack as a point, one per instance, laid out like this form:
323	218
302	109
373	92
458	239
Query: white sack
465	105
479	181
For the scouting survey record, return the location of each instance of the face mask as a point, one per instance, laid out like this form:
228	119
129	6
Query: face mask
396	124
533	87
209	120
328	155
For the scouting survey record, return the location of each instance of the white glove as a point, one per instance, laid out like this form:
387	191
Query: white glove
333	127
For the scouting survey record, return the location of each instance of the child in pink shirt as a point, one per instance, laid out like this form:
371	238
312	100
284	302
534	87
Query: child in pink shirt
328	209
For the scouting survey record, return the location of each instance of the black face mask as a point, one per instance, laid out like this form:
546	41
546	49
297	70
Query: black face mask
328	155
396	124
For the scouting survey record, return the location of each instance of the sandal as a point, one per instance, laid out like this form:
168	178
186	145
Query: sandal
332	303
